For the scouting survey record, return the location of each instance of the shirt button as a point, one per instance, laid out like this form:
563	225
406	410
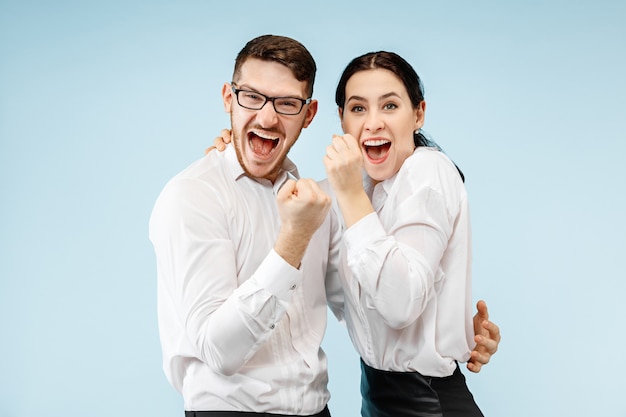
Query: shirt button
293	287
272	326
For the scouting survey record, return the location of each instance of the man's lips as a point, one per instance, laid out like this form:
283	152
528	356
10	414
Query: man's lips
376	149
262	144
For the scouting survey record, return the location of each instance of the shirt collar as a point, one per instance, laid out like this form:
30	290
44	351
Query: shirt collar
387	184
288	170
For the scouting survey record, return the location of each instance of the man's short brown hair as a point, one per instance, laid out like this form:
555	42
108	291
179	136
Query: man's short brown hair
283	50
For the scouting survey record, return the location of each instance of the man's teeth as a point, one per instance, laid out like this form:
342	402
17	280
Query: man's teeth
375	142
262	144
263	136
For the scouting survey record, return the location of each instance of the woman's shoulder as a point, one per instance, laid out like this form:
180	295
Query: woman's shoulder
426	159
431	168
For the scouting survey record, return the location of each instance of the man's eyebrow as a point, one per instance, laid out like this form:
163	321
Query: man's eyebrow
247	87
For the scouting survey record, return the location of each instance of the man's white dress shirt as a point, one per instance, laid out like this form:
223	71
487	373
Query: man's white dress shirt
240	328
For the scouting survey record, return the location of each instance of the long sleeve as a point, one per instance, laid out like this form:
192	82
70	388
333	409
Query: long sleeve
225	321
406	270
234	317
334	289
398	267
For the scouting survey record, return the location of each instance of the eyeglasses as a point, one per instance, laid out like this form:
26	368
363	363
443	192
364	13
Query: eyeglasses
255	101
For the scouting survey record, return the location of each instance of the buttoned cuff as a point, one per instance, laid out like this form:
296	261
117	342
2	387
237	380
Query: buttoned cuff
277	276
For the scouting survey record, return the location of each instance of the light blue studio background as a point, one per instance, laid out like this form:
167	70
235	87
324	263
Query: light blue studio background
101	103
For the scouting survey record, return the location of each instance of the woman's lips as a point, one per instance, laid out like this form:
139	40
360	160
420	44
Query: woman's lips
376	149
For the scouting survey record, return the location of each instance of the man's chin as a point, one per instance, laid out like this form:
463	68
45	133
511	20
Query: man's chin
256	170
260	166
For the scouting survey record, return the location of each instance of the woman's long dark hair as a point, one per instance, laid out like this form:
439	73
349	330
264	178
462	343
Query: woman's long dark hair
403	70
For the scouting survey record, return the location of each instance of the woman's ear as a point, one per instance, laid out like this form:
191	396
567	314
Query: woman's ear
420	115
340	111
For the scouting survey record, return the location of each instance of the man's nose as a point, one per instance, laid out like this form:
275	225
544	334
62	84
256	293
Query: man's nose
267	115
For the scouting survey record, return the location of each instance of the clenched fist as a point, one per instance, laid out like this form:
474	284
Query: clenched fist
344	167
302	207
344	163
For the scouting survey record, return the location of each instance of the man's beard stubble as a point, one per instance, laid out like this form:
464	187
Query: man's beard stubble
239	146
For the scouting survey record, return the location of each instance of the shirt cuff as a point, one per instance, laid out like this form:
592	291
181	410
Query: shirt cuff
277	276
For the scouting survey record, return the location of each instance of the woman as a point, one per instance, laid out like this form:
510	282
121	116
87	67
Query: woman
406	261
405	269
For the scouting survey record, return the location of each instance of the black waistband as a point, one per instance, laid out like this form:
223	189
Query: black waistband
392	394
323	413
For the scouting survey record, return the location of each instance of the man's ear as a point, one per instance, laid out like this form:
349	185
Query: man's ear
227	96
311	111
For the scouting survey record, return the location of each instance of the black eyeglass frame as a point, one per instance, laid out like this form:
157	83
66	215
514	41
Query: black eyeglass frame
236	91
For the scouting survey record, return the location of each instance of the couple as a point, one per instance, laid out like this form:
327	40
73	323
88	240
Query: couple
249	256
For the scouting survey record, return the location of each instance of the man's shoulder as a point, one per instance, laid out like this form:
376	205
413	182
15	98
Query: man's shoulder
206	167
204	176
207	172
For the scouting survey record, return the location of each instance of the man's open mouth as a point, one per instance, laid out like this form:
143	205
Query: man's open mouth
262	144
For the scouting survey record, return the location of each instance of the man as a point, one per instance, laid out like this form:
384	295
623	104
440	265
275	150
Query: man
247	254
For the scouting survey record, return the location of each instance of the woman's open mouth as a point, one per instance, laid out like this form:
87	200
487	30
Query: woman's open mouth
377	149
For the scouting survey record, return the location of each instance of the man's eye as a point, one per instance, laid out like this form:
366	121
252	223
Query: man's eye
252	96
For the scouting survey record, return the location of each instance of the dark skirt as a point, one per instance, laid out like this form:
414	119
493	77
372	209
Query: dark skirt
410	394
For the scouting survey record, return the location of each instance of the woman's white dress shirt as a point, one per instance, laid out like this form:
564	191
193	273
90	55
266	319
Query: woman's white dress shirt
407	270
